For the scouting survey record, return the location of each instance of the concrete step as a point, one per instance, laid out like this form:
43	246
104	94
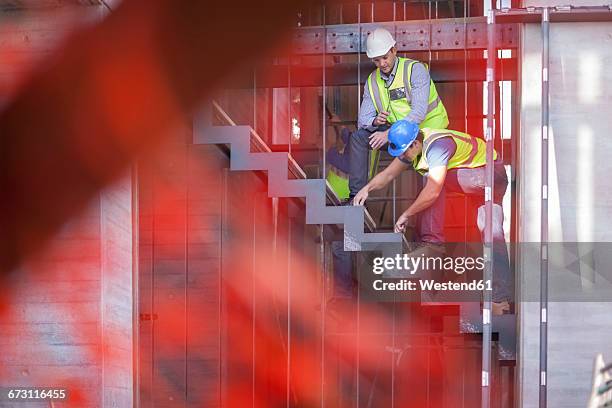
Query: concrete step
504	326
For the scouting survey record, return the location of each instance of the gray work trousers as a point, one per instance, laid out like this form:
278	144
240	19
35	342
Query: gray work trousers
359	147
472	182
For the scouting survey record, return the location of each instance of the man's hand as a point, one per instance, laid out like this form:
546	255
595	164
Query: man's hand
378	139
402	222
380	119
361	196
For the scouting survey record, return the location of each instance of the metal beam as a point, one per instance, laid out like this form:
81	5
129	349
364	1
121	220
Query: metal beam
417	35
442	71
559	14
30	5
438	34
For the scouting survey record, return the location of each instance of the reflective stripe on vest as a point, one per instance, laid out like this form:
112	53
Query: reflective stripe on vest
465	143
436	116
408	86
375	92
433	105
471	140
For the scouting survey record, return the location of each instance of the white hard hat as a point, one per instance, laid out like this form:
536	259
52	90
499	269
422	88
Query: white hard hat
379	42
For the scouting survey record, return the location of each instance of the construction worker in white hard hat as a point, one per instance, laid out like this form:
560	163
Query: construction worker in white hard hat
399	88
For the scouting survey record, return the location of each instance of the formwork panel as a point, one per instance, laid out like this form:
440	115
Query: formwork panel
579	210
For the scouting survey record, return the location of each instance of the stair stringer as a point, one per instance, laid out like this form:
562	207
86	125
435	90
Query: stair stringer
276	164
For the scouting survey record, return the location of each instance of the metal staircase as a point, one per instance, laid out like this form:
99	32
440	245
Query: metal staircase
287	179
352	218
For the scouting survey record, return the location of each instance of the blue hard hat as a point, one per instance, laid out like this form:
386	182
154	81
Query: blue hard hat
401	135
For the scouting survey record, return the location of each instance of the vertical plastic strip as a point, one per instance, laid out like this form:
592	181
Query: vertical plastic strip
544	209
324	263
358	340
488	235
324	97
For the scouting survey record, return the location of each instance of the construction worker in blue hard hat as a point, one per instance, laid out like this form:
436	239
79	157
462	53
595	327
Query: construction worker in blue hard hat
399	88
450	161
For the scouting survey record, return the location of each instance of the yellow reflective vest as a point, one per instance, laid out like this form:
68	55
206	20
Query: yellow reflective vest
470	153
396	98
339	181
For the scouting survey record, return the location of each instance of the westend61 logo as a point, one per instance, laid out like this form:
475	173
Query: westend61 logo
412	265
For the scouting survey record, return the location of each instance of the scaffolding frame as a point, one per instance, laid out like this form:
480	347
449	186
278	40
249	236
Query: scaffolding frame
341	40
544	16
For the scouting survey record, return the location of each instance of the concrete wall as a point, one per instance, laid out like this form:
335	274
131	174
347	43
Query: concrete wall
580	208
68	319
116	295
179	280
30	33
